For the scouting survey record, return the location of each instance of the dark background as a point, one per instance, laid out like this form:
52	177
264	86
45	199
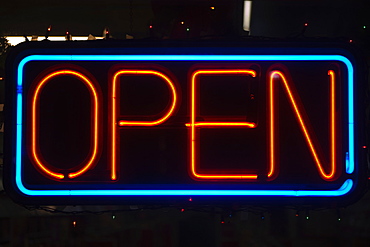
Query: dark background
279	18
184	224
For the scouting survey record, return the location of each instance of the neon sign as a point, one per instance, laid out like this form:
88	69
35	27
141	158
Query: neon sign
213	122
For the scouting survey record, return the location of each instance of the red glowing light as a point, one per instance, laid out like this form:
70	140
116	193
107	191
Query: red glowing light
150	26
194	125
306	24
298	113
364	147
36	156
122	123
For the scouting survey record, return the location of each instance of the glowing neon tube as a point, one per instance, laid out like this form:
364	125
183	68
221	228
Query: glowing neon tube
36	156
193	125
350	157
292	100
122	123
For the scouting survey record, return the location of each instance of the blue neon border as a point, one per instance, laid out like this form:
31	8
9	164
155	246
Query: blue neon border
344	189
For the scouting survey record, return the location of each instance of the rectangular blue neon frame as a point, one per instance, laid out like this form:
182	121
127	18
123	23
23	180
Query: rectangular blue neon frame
350	164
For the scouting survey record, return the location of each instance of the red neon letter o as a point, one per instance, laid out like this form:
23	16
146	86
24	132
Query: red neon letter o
35	155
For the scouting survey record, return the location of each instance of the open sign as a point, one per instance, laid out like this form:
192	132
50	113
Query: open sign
184	122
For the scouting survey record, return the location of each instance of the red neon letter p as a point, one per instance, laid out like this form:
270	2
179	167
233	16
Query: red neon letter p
116	122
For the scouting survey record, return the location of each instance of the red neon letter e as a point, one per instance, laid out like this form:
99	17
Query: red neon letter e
194	124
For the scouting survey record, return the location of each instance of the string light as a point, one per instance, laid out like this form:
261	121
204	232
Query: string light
338	215
364	27
304	28
190	199
68	36
150	26
223	214
187	29
182	23
222	219
212	8
48	32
